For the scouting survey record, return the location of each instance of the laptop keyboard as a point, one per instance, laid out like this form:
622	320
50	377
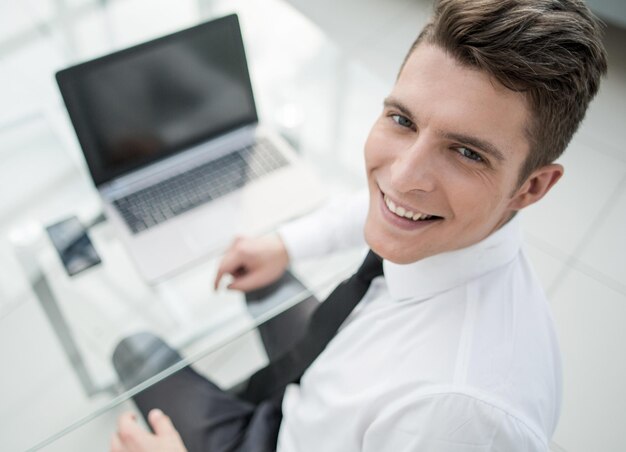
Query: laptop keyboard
157	203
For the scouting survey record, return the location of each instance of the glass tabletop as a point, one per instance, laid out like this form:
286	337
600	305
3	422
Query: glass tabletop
90	313
306	88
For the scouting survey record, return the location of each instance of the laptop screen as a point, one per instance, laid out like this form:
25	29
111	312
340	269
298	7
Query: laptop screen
147	102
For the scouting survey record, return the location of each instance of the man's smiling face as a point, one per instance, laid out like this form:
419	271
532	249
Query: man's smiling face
447	147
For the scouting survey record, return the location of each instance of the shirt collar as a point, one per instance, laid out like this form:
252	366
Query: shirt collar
432	275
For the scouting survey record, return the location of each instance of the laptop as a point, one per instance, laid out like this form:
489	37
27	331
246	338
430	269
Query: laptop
172	140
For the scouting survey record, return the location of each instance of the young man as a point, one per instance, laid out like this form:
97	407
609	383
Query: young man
454	349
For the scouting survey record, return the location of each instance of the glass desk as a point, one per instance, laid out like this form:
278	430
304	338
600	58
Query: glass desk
89	313
57	333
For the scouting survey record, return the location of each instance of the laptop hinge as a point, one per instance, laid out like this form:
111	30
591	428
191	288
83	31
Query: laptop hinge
179	163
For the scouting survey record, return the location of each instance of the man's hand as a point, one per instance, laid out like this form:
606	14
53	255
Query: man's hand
130	437
253	262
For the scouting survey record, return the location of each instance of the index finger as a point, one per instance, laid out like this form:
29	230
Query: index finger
229	265
128	430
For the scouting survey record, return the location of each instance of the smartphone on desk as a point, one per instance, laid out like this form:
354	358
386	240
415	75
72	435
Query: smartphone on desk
73	245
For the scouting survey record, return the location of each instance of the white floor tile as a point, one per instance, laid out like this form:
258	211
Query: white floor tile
384	52
22	181
377	33
27	82
546	264
567	213
14	19
605	250
40	393
360	98
589	319
352	21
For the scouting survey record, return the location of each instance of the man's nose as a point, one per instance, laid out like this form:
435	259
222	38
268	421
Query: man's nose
414	168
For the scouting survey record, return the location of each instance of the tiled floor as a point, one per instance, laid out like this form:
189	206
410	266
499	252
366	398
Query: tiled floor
575	236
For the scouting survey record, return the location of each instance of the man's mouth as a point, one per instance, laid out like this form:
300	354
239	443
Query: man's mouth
405	213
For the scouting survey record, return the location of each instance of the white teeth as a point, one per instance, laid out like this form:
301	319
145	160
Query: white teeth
402	212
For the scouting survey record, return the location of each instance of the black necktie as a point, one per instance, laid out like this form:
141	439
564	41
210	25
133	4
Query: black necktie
322	326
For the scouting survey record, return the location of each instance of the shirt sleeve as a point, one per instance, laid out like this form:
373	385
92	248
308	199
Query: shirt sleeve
336	226
451	422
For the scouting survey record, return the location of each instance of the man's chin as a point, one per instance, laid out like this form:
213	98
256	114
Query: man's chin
387	249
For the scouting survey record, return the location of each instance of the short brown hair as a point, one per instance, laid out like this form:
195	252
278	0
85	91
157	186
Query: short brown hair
550	50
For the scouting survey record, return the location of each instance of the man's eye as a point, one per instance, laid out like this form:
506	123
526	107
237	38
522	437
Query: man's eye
468	153
402	121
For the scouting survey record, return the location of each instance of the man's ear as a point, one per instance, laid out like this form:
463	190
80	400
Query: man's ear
536	186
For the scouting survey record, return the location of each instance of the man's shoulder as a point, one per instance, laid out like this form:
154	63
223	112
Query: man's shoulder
511	347
463	413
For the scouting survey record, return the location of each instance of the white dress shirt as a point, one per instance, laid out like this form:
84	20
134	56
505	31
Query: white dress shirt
455	352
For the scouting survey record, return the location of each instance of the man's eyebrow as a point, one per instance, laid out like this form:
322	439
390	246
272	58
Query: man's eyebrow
483	145
392	102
